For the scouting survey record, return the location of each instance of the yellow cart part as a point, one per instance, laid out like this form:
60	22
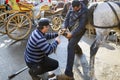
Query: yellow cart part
13	4
20	6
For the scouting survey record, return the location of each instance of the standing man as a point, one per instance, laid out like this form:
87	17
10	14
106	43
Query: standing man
75	21
38	49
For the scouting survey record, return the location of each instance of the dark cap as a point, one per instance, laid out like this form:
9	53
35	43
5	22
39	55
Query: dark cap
43	22
76	3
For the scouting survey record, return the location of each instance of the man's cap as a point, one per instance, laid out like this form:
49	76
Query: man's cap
43	22
76	3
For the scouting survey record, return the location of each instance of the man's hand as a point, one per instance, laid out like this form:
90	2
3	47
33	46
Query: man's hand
68	35
65	32
62	31
58	40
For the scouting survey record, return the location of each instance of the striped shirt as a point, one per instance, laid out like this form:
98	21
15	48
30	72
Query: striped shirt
38	46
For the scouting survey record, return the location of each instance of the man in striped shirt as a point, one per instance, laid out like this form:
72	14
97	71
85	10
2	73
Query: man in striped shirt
38	49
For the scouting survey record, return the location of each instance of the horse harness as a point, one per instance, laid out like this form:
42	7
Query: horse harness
115	12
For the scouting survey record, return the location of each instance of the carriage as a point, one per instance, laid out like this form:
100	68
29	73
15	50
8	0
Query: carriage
17	23
2	6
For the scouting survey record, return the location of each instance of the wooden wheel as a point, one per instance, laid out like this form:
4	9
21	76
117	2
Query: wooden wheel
2	22
56	23
18	26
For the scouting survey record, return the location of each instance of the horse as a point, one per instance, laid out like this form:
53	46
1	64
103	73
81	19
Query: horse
103	16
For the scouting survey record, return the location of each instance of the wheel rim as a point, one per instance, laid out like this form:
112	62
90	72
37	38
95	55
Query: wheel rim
2	23
56	23
18	26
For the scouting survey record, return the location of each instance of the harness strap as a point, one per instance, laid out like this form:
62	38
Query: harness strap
118	3
114	13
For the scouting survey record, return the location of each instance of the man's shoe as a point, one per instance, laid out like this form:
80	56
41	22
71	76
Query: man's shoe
33	76
64	77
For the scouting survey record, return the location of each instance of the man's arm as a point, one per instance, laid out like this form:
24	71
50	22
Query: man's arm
82	23
51	35
66	23
46	47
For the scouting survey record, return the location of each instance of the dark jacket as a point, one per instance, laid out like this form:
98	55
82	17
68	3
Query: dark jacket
72	17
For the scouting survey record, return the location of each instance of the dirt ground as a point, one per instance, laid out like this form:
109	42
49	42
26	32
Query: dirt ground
107	63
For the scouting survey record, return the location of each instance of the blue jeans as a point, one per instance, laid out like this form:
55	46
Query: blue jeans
72	48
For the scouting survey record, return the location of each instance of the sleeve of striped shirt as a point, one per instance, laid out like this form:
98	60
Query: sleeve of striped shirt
46	47
51	35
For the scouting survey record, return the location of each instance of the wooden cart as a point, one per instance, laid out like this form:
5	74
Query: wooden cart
17	23
2	8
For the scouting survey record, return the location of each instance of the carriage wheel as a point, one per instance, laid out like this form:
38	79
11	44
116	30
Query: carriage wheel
2	22
18	26
56	23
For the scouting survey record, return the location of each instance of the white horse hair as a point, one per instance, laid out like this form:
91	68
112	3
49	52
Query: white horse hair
104	15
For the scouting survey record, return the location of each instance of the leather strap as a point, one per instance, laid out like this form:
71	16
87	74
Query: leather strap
114	13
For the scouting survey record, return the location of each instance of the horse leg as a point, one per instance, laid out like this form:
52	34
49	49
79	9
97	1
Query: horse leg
93	50
105	35
100	39
81	60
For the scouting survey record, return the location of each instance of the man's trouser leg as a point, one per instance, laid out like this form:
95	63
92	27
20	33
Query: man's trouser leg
48	64
71	55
